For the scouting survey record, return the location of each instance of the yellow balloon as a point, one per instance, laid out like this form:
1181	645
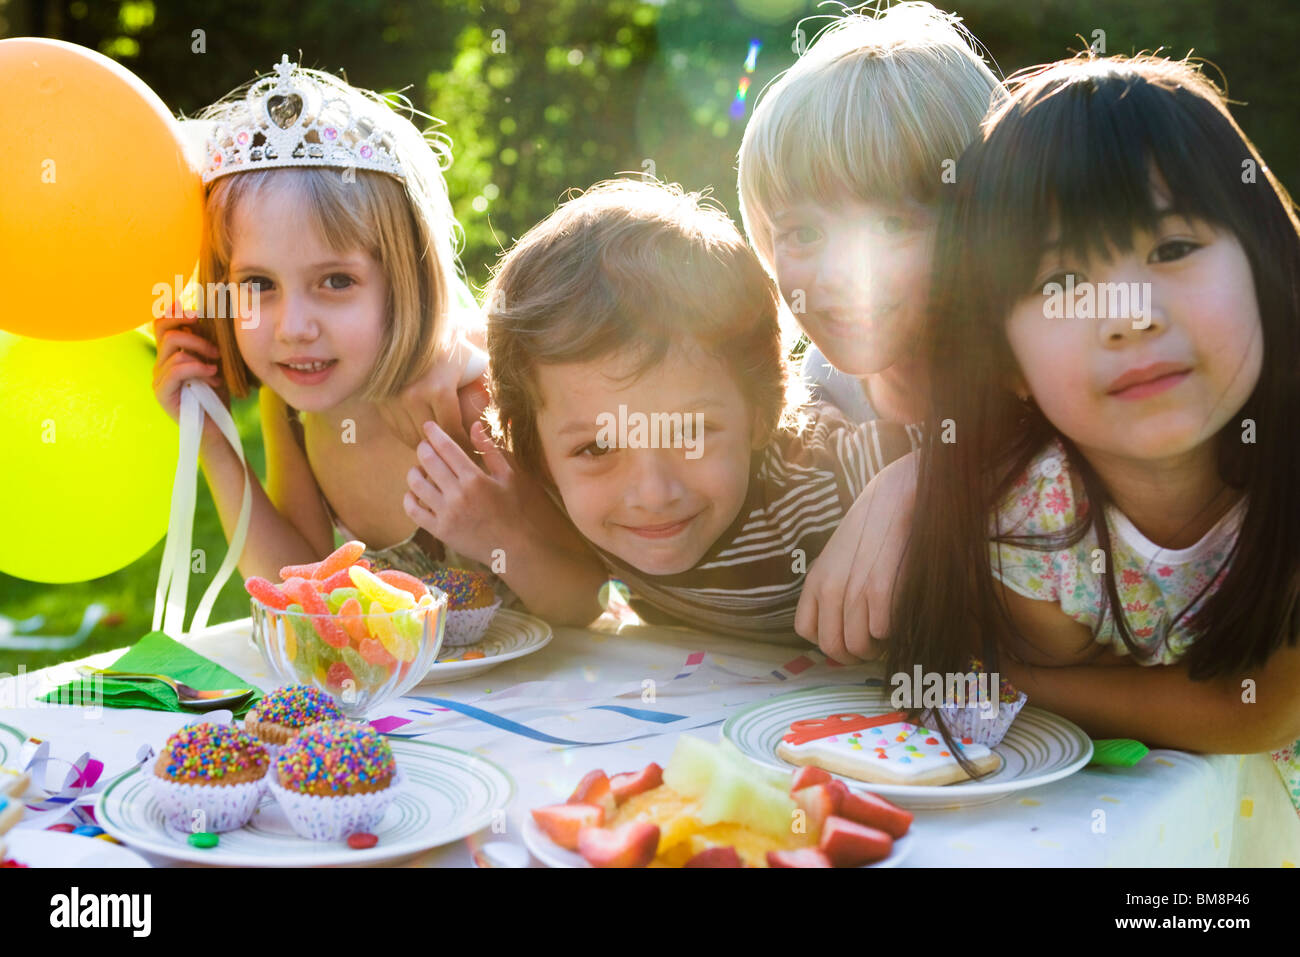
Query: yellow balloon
89	457
100	205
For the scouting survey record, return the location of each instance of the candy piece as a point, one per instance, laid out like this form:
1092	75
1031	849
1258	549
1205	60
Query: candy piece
804	857
407	583
382	628
410	625
335	598
298	571
632	845
594	789
375	654
352	619
203	839
362	840
88	830
376	589
848	844
107	837
631	783
359	666
64	828
716	857
266	593
339	674
339	559
474	655
562	823
329	630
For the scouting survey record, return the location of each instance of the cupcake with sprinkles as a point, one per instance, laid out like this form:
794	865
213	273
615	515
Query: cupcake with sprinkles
979	718
279	716
335	779
210	777
471	603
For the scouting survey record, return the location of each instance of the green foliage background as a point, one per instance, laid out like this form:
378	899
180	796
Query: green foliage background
540	96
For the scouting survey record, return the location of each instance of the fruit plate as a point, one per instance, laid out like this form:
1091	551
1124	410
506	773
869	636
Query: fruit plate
449	794
1039	748
552	855
512	634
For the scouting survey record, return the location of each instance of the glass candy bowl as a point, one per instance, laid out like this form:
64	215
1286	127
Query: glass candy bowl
359	660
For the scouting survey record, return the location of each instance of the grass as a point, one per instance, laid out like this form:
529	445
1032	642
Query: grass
129	593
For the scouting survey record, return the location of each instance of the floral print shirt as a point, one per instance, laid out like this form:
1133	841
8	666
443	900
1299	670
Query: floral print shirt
1156	585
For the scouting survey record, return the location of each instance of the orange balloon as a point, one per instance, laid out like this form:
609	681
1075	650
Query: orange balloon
101	207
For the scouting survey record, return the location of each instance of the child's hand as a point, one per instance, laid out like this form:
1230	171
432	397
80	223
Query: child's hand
437	395
471	510
183	355
845	603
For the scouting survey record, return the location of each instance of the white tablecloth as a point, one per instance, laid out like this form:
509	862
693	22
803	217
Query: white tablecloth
1173	808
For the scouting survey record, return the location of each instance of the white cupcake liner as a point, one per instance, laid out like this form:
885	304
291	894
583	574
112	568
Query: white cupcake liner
982	725
225	807
318	818
467	625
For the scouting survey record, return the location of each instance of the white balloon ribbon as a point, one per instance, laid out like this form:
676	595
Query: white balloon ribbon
197	399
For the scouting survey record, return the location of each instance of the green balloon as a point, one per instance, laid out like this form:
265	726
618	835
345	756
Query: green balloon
89	456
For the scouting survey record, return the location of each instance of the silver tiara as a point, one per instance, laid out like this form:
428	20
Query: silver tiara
293	119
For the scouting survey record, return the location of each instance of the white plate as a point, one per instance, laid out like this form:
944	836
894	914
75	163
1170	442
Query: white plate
512	634
56	849
552	855
1040	747
449	794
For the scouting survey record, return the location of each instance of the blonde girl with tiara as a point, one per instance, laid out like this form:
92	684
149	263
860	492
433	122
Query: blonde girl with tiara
841	171
331	207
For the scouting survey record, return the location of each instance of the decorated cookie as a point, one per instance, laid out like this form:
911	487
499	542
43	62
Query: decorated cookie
884	749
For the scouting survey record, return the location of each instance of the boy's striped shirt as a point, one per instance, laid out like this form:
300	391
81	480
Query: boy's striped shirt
801	485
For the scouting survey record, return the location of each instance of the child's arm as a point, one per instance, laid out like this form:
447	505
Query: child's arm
289	526
1162	707
846	595
272	541
505	520
1113	697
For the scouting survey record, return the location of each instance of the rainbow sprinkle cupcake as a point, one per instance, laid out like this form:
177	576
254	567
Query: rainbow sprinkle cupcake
210	777
471	604
334	779
278	718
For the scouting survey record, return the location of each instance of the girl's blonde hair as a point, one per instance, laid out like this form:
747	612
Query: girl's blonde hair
406	224
871	110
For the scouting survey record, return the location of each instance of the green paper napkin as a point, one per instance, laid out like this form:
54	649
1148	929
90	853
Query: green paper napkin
155	653
1118	752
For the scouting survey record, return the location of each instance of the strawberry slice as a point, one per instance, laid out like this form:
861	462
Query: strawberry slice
632	845
594	789
563	822
629	783
807	776
804	857
849	844
716	857
818	803
874	811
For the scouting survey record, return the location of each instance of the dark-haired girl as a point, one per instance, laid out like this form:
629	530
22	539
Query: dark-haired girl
1111	472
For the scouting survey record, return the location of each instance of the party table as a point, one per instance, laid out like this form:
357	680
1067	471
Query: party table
618	700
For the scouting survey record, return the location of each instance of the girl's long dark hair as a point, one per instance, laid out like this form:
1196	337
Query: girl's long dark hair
1074	146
